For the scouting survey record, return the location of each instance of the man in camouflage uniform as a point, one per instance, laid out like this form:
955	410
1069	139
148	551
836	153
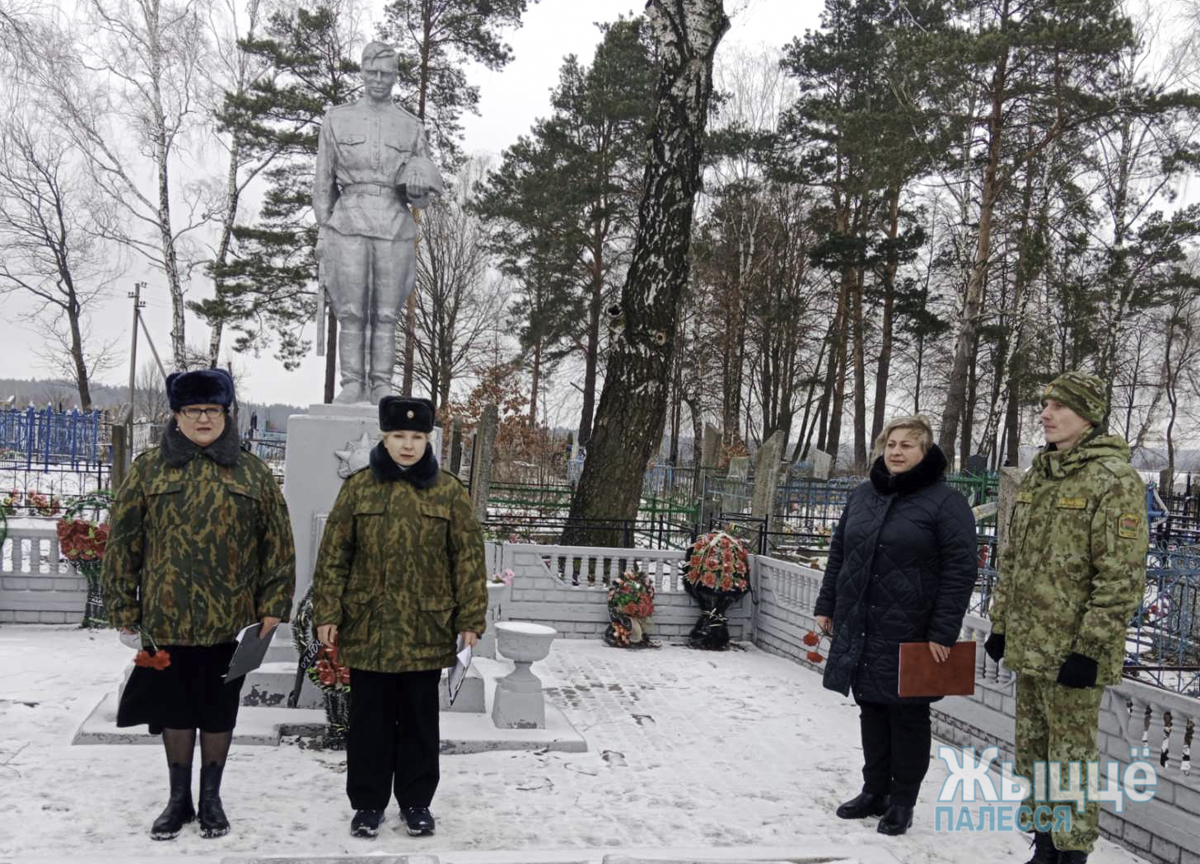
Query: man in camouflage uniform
372	163
400	575
1071	576
200	547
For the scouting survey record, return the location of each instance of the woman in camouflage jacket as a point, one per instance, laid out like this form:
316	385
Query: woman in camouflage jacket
399	575
200	548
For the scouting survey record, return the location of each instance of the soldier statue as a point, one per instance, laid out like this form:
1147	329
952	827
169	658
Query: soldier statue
372	163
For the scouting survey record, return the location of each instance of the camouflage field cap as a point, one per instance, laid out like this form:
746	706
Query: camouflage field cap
1082	393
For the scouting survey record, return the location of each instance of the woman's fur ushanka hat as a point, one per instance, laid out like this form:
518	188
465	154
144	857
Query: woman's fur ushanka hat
400	413
201	387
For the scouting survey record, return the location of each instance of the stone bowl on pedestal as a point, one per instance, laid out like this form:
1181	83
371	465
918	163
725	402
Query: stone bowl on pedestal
519	703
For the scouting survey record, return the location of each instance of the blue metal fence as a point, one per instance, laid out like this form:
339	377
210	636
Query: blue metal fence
41	438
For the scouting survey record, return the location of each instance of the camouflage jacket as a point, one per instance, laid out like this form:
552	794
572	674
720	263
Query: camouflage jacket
1074	569
198	551
401	572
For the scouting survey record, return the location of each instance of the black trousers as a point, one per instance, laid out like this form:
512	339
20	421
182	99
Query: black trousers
392	744
896	738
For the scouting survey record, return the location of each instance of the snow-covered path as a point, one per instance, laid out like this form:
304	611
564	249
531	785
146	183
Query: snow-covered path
686	749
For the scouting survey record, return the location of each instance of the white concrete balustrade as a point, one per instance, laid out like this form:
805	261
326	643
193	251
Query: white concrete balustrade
36	584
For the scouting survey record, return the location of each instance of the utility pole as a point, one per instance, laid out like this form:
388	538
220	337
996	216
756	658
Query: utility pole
136	294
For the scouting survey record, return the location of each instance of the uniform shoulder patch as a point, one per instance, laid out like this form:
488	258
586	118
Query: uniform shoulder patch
1072	503
1024	497
1128	524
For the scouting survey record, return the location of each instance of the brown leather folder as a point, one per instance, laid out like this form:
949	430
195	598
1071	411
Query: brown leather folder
921	675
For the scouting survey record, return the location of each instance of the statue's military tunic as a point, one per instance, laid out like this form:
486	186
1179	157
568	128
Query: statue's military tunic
401	572
367	234
1072	576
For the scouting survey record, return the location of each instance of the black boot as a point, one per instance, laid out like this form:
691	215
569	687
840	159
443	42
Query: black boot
1073	856
896	820
179	810
863	805
366	823
1043	849
212	815
419	820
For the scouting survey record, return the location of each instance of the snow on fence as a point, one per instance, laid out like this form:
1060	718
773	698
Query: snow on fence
1133	715
36	584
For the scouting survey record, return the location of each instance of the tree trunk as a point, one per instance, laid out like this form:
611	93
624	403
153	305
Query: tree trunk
860	378
533	387
77	358
410	313
889	304
822	421
162	154
232	197
833	439
968	416
731	368
969	322
592	356
676	412
631	405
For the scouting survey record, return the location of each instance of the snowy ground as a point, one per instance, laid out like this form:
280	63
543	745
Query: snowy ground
686	749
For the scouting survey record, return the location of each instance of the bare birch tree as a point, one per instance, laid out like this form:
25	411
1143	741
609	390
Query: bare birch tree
128	95
49	249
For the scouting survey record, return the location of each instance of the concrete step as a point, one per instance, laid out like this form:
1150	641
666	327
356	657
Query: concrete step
461	732
255	726
270	684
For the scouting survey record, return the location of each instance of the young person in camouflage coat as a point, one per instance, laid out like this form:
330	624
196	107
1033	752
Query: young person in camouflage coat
200	547
1071	577
400	574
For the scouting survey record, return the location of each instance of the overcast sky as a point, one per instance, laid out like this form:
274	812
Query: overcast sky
511	100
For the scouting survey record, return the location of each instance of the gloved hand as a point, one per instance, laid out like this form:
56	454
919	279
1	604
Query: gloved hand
994	646
1078	671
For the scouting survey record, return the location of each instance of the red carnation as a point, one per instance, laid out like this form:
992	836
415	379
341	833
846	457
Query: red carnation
709	579
815	657
811	638
159	660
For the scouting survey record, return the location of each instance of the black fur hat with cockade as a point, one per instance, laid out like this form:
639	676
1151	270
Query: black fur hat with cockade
398	413
201	387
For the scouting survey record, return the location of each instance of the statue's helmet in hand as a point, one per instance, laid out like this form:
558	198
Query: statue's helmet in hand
421	179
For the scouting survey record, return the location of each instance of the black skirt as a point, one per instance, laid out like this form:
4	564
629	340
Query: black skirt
188	694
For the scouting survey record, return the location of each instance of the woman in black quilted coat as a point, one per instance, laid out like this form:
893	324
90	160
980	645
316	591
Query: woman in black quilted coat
902	566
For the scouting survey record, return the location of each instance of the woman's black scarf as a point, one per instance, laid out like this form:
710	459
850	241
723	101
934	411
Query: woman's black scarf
178	449
925	473
422	474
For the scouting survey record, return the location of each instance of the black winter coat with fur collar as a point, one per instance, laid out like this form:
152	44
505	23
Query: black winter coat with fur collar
902	566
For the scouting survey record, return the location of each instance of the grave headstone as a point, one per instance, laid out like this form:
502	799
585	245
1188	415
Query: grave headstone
456	446
766	475
481	460
976	465
822	464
